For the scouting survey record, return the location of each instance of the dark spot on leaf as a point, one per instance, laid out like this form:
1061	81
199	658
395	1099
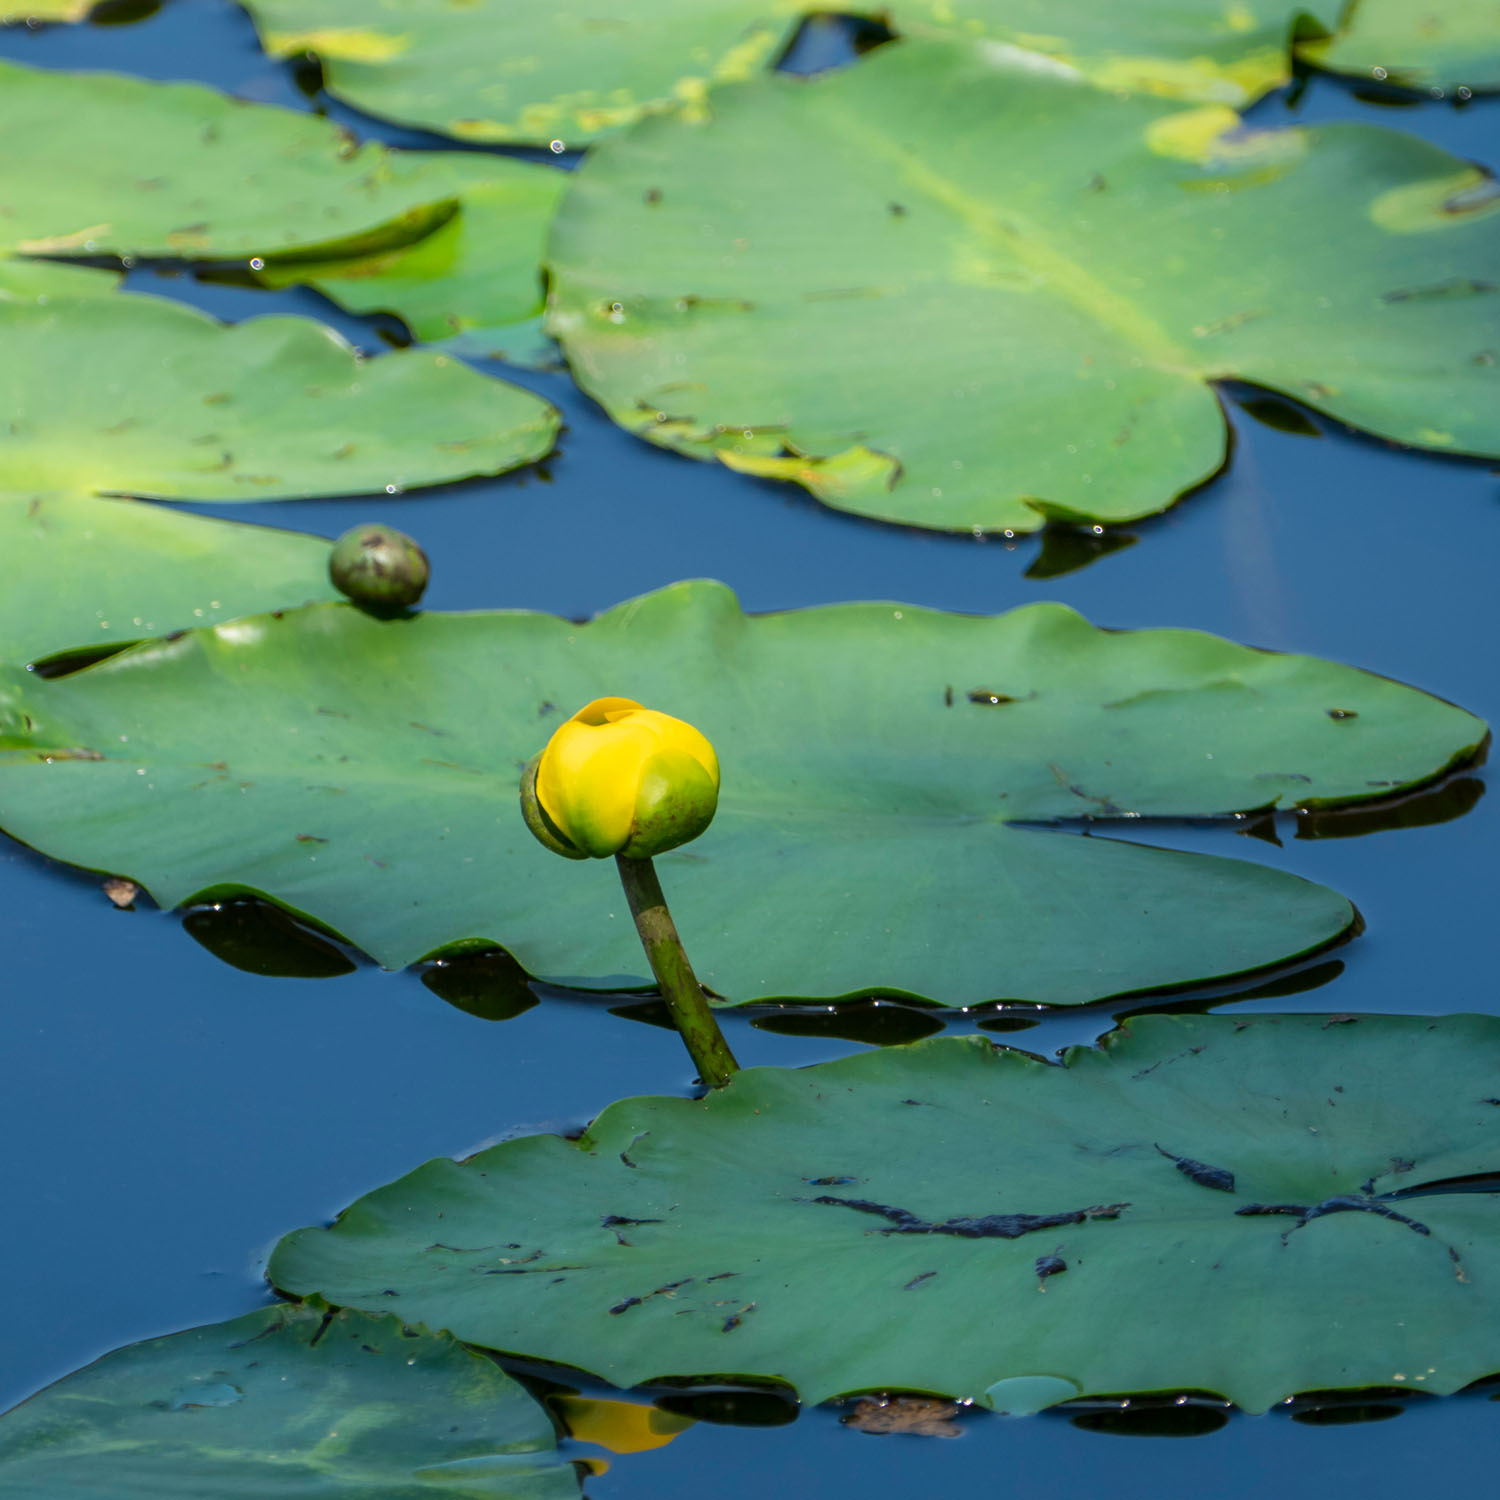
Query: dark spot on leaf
985	695
1218	1178
1341	713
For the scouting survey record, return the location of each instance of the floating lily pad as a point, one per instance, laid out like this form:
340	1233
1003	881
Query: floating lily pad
448	241
876	761
84	572
490	70
1421	44
286	1401
989	296
44	10
125	166
1252	1207
24	280
477	276
135	395
1192	49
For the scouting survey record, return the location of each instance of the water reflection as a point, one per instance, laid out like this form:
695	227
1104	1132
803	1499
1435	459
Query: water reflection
254	936
489	984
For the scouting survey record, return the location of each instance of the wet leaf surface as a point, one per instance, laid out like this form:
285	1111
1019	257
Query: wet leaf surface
970	335
944	1217
877	761
288	1400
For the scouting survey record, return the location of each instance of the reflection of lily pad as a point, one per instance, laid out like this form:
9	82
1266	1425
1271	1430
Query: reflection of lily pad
492	70
85	572
1425	44
135	395
286	1401
1015	290
1250	1206
876	760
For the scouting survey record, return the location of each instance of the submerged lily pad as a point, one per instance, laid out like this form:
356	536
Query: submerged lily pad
135	395
491	70
1251	1207
990	296
85	572
1427	44
876	760
286	1401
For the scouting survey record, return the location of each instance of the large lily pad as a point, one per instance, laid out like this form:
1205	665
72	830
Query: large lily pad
85	572
286	1401
876	760
1427	44
1253	1207
989	296
491	70
135	395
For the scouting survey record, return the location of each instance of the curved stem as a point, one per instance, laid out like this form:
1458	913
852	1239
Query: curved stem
674	974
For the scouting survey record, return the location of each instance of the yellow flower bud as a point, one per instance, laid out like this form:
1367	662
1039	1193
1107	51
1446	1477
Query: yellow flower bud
617	778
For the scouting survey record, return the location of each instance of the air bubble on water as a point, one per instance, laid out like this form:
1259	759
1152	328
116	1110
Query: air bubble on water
1098	531
557	147
1379	74
256	263
1464	92
390	489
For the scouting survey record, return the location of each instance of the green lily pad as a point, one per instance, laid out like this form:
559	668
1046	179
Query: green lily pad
448	241
286	1401
84	572
12	14
1192	49
997	296
1422	44
135	395
1252	1207
478	275
126	166
876	761
489	70
24	280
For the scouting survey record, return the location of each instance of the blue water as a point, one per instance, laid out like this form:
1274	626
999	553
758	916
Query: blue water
167	1116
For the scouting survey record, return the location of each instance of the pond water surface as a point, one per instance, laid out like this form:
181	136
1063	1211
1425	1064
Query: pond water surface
168	1116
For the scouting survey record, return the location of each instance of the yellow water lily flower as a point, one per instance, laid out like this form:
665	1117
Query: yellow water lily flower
618	778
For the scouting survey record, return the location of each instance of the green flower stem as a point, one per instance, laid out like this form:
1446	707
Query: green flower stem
669	962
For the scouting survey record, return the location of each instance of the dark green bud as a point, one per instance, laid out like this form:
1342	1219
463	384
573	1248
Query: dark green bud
378	567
